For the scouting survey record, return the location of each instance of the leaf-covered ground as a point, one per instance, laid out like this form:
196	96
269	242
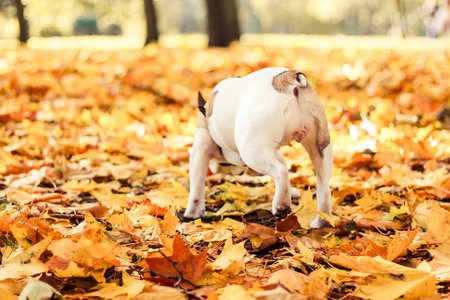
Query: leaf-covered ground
94	174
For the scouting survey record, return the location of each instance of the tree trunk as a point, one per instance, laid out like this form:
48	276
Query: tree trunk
399	18
223	25
152	27
23	24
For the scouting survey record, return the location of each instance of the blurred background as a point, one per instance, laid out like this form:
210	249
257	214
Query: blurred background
144	21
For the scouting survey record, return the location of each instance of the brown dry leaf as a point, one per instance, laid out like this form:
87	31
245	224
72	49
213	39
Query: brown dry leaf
181	263
260	236
290	223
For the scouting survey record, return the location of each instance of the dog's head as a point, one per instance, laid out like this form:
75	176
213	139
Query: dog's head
294	83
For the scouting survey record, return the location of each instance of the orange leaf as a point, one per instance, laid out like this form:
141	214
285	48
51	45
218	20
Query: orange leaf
398	245
182	261
155	210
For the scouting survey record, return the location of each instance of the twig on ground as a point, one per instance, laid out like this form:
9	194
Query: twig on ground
67	216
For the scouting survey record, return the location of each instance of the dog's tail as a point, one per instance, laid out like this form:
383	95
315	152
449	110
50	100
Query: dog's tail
201	104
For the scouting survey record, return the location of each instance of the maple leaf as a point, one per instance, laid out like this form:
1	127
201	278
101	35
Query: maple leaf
399	244
231	260
131	287
182	264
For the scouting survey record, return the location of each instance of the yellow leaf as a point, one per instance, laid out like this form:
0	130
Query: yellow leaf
232	191
438	225
256	242
366	200
308	209
232	258
31	254
131	287
394	211
306	253
233	292
388	280
109	199
170	194
20	233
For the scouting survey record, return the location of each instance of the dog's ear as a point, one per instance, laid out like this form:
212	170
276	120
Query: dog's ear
201	104
283	81
301	78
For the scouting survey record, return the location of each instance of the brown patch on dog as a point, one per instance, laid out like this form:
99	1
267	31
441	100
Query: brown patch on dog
208	108
322	135
314	105
282	81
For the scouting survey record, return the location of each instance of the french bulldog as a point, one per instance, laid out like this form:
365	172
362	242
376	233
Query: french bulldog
246	121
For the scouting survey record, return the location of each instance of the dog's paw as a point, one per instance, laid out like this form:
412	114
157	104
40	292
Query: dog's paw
282	211
193	213
320	223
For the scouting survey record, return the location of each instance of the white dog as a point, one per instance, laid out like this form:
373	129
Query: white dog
247	120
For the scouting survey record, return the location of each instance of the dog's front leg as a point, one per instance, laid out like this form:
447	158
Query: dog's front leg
202	151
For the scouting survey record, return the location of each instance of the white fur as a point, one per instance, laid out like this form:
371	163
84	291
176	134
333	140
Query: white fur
250	121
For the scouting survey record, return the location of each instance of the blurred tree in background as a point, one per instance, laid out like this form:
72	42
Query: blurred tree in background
223	24
23	23
224	20
150	17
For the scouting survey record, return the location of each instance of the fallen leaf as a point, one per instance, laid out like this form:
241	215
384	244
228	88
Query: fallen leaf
181	263
289	278
290	223
400	244
170	223
231	260
38	290
390	281
264	236
131	287
233	292
438	225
